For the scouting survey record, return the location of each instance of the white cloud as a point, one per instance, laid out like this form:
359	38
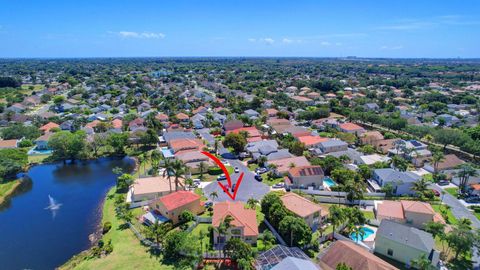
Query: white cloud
287	41
146	35
268	41
397	47
325	43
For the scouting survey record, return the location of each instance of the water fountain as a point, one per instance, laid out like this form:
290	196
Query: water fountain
53	205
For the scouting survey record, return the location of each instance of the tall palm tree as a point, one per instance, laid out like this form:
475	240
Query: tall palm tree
179	170
141	160
168	172
337	216
213	195
399	163
436	159
215	146
466	171
262	160
359	231
252	203
155	158
202	166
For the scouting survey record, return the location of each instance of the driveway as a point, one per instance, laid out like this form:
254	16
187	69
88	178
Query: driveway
205	134
249	188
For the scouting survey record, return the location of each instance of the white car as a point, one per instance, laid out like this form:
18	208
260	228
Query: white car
237	170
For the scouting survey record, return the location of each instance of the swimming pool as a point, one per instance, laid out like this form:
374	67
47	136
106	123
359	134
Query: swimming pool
329	182
367	232
34	151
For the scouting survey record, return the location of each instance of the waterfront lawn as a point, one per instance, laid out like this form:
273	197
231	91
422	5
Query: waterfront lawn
451	218
35	159
7	188
128	252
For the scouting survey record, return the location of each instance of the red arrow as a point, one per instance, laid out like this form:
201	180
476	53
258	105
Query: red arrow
227	175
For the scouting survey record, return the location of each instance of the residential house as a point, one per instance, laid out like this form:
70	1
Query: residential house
404	243
312	141
232	125
16	107
354	256
401	182
449	162
305	176
8	144
305	100
261	148
313	214
412	213
351	128
447	120
251	114
42	141
292	263
174	204
371	137
182	117
333	145
243	225
284	164
274	256
254	134
373	107
271	112
150	188
47	127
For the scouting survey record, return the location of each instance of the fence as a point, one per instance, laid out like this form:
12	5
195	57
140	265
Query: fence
275	233
199	219
141	237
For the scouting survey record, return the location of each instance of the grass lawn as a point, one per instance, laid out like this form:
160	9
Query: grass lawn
260	215
37	158
252	167
199	191
369	214
128	253
451	218
272	181
452	190
8	188
206	241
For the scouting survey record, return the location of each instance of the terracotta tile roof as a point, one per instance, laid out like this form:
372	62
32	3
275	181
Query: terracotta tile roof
117	123
148	185
183	144
353	255
182	116
417	207
475	186
178	199
246	218
393	209
161	117
278	121
283	165
299	205
48	126
310	140
252	131
350	126
305	171
8	143
373	134
301	99
92	124
271	111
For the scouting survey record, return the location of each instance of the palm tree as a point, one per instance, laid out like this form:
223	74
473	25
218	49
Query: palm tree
168	166
158	231
252	203
202	166
466	171
215	146
399	163
179	170
155	158
141	160
420	186
262	160
337	216
436	159
213	195
359	231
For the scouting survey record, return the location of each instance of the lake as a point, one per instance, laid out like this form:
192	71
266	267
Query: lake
37	233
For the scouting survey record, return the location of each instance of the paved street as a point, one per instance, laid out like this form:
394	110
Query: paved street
460	211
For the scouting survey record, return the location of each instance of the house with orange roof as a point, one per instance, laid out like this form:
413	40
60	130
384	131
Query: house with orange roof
243	223
174	204
271	112
305	176
313	214
47	127
183	144
305	100
162	117
354	256
6	144
371	137
117	124
312	141
284	164
182	117
254	135
474	189
351	128
413	213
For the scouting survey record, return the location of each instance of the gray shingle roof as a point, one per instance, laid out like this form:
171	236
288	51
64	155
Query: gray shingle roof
406	235
391	175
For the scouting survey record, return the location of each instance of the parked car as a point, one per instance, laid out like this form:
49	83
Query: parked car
279	185
258	177
233	187
237	170
443	183
251	161
208	204
435	192
221	177
473	199
261	170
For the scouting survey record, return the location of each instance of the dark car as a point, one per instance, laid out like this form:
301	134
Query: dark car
435	192
233	187
251	161
258	177
443	183
473	199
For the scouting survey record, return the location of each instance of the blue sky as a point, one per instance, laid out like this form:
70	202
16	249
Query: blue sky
433	28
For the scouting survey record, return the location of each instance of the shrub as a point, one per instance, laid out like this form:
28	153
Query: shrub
106	227
215	171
